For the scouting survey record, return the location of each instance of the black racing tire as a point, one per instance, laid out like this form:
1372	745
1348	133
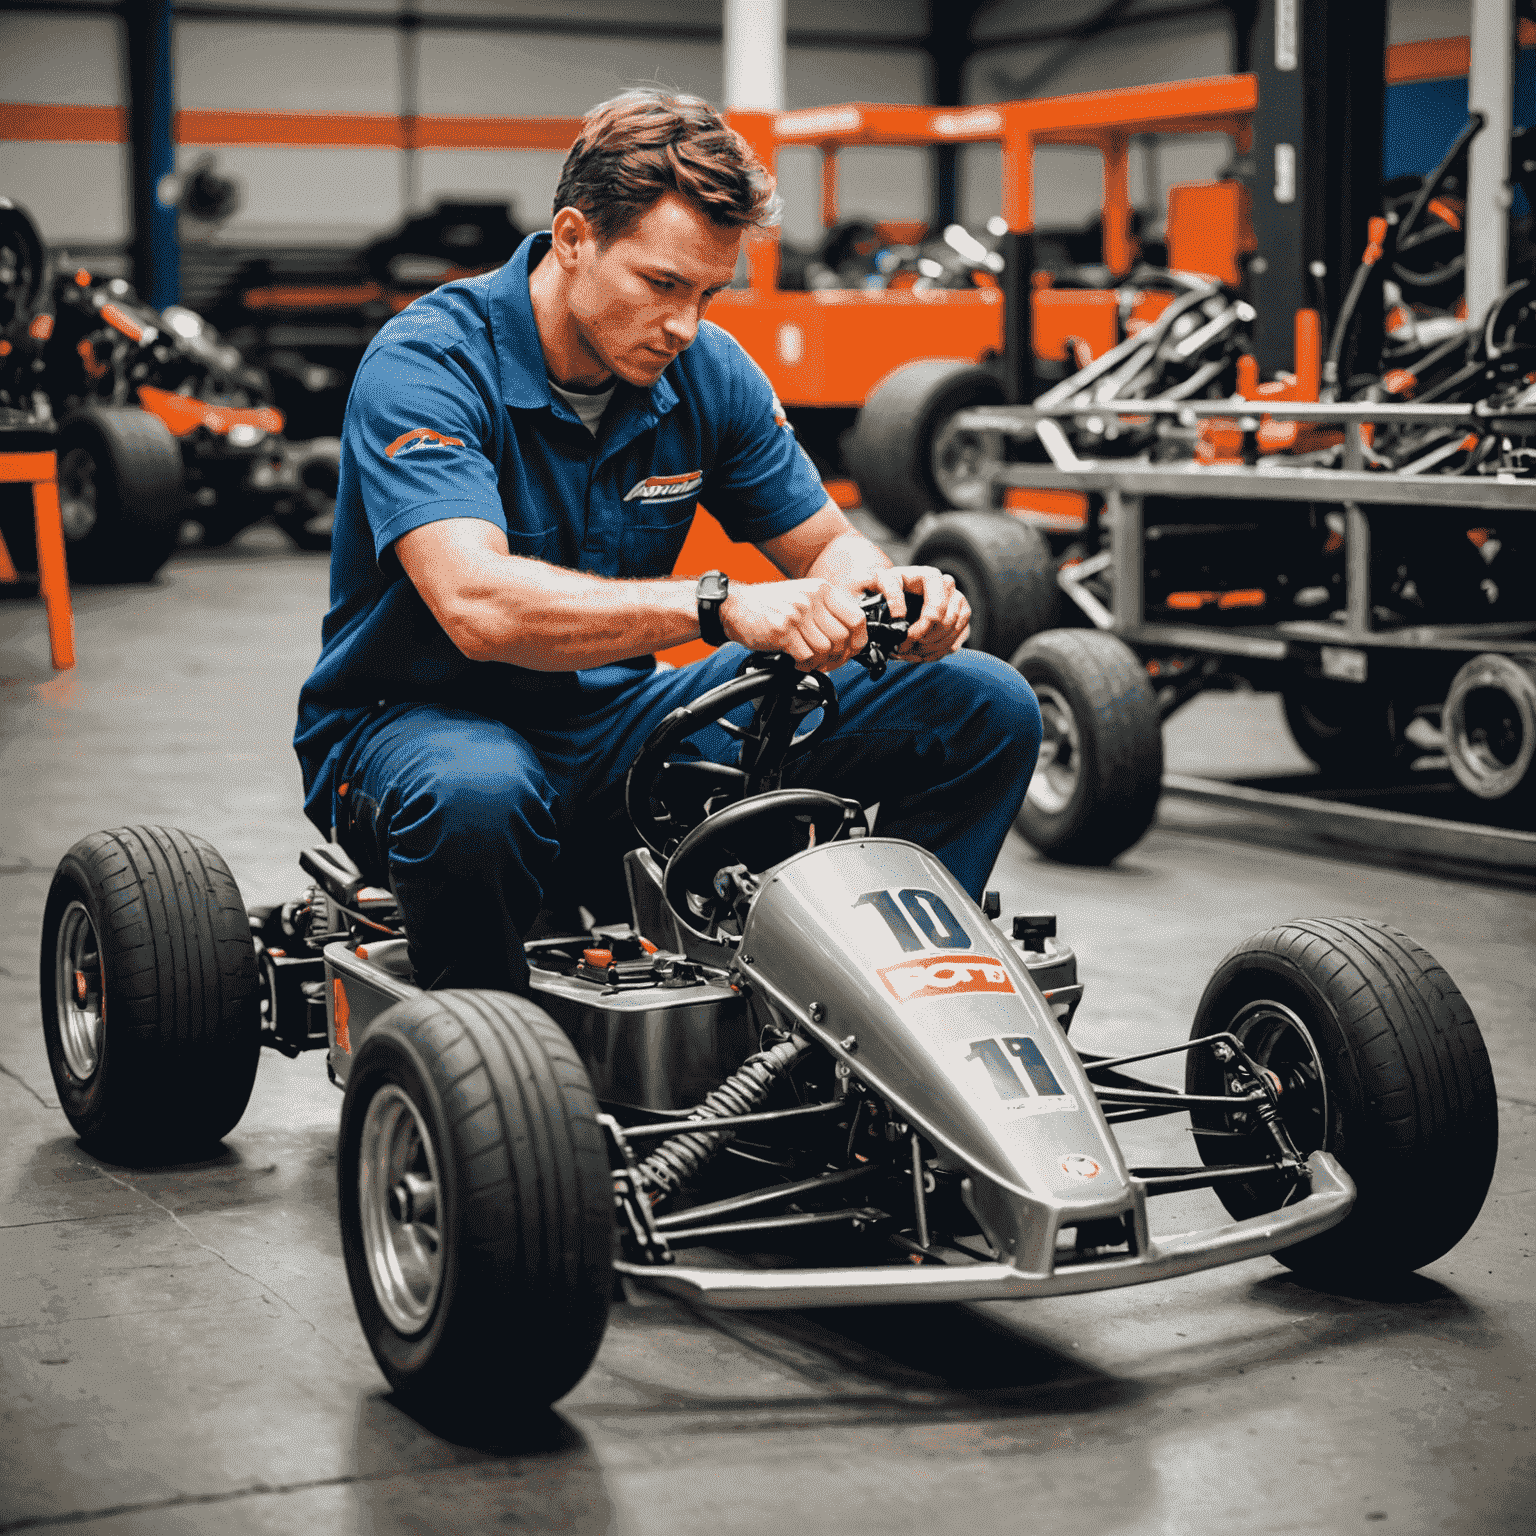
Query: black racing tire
1382	1064
1100	773
24	284
1348	729
149	992
499	1298
1003	567
122	494
890	451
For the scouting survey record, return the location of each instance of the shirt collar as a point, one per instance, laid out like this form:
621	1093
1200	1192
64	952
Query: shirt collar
515	335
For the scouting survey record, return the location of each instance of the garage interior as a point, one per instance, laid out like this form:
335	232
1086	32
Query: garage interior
179	1348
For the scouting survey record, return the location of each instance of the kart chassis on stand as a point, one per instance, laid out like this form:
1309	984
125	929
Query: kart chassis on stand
808	1046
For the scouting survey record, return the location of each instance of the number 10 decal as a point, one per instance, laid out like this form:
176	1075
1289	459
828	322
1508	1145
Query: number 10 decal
929	911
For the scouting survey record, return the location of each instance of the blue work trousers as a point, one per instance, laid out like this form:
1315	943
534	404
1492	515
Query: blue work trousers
465	815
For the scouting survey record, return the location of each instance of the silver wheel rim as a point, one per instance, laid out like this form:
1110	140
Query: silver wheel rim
1058	767
1261	1027
956	459
1491	744
399	1198
77	493
79	987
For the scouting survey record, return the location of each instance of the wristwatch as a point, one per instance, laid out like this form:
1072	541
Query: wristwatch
713	589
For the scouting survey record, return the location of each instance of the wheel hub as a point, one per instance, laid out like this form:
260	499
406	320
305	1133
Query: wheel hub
1490	725
398	1202
77	494
79	989
1056	769
1282	1047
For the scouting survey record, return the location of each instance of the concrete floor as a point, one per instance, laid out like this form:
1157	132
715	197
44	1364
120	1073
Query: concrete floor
178	1351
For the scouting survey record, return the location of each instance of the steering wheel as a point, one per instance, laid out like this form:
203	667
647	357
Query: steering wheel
666	799
712	869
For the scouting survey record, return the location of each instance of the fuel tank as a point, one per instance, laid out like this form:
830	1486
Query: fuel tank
875	949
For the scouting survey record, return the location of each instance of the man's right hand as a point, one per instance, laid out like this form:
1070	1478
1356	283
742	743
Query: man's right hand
817	624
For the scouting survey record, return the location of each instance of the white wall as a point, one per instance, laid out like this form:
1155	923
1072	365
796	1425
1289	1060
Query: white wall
341	195
78	193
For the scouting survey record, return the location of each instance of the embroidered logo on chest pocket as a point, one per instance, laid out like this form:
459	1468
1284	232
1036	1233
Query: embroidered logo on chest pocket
666	487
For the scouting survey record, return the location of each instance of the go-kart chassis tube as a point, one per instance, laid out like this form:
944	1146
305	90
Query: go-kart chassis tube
1333	1193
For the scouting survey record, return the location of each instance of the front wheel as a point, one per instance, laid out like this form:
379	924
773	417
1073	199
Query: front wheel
476	1203
1100	771
1378	1060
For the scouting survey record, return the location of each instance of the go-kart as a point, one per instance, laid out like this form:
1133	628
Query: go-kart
808	1061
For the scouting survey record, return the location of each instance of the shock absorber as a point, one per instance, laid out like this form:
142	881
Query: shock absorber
677	1160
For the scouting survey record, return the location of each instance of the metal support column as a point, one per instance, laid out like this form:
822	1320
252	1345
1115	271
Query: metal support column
1491	91
755	39
1316	176
151	110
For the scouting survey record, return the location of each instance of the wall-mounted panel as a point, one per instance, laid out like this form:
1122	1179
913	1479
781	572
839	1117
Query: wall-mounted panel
526	179
78	193
515	75
1186	49
274	67
310	195
62	58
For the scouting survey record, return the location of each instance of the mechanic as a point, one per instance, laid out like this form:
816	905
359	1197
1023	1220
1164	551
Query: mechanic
522	456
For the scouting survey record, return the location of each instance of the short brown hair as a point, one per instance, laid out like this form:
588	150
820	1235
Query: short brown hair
643	144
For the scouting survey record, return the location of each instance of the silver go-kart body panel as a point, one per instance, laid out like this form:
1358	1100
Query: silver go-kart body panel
870	948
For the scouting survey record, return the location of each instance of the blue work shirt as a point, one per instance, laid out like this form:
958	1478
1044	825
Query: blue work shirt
451	415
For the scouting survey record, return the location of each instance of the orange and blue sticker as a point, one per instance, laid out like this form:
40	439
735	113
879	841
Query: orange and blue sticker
418	438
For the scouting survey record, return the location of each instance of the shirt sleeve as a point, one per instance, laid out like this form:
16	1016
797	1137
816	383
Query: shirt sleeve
419	436
762	483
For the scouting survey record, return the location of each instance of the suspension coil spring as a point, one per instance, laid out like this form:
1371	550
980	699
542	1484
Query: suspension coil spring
677	1160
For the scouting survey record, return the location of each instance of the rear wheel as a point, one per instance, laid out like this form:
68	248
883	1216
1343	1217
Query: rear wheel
149	992
476	1203
1099	775
1347	729
121	494
1003	567
1379	1061
891	451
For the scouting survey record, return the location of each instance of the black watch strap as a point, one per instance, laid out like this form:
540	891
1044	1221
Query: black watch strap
713	589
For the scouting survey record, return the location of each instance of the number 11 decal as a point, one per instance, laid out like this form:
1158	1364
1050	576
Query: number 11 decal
1038	1091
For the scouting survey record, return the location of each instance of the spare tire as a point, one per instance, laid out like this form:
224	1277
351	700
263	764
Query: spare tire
891	450
122	493
1005	570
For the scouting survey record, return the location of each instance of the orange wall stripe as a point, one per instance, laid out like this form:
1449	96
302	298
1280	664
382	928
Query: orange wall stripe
1437	58
370	130
24	122
557	133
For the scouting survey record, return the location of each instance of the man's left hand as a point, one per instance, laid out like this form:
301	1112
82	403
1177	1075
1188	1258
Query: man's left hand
945	622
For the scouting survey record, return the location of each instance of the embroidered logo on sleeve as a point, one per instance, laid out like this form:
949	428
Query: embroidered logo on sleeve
666	487
419	438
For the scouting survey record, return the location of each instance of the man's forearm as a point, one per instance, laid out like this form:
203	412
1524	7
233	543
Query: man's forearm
550	619
849	561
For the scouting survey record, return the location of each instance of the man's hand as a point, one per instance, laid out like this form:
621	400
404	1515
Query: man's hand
815	622
945	622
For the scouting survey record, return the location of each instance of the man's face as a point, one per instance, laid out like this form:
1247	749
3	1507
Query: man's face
637	302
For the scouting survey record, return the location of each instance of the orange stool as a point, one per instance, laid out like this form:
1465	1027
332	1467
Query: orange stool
40	470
